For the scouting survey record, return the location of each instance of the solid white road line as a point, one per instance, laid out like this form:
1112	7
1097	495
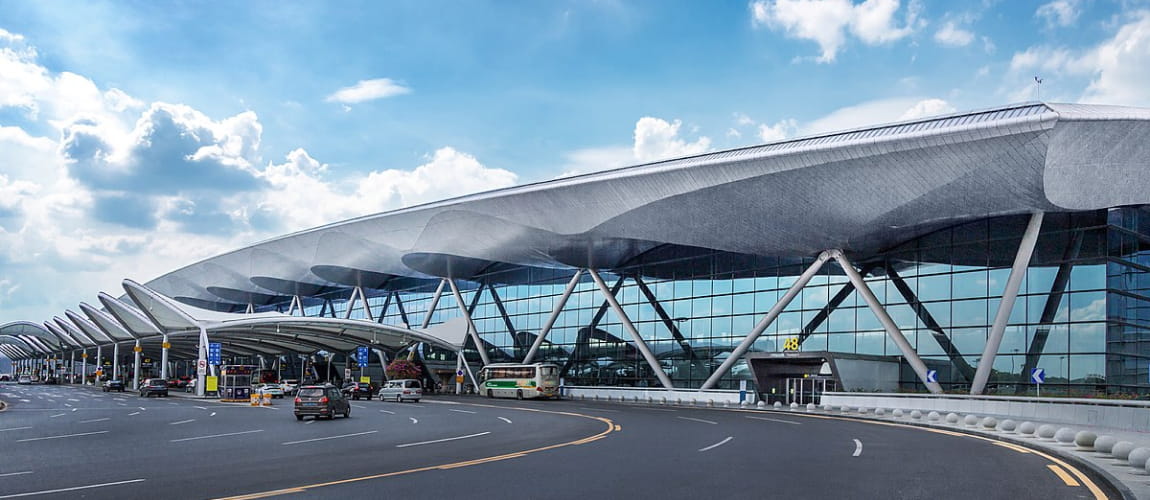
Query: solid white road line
188	421
413	420
14	429
699	420
462	411
387	412
215	436
61	436
15	473
133	414
858	448
776	420
442	440
716	445
330	437
74	488
57	415
505	419
95	420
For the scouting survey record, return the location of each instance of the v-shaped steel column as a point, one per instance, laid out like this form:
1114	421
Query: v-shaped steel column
639	343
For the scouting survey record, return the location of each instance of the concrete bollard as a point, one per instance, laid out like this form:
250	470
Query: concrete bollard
897	413
1065	436
915	414
1046	431
1122	449
845	409
970	420
711	403
1026	429
1008	426
794	406
952	418
1104	444
1085	440
934	416
811	407
742	404
826	408
1138	457
863	410
760	405
880	412
990	423
777	405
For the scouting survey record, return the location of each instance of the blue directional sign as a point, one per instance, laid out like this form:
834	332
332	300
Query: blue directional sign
361	356
932	376
214	350
1038	375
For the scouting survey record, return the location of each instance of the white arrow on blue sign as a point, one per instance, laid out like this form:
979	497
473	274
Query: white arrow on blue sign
1038	375
932	376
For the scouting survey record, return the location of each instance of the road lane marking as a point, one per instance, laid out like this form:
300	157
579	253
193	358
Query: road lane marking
304	488
1063	475
387	412
716	445
309	422
421	443
462	411
68	405
781	421
215	436
330	437
200	407
74	488
95	420
505	419
14	429
213	414
413	420
74	400
1012	447
74	409
60	437
699	420
360	407
15	473
858	448
188	421
133	414
57	415
142	408
598	409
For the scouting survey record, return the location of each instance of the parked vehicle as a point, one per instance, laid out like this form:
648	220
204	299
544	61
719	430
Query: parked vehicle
191	387
401	390
26	380
356	390
290	386
113	385
321	401
273	390
154	387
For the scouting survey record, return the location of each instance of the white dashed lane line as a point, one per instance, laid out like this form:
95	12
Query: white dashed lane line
413	420
505	419
213	414
61	436
133	414
360	407
95	420
387	412
443	440
214	436
776	420
181	422
15	473
699	420
330	437
14	429
74	488
858	448
57	415
462	411
716	445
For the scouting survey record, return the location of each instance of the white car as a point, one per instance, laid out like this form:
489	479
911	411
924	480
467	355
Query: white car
275	390
401	390
24	380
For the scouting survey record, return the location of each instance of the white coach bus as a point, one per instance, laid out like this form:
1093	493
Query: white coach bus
509	380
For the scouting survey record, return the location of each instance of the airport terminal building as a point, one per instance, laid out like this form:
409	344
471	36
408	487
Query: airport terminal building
956	253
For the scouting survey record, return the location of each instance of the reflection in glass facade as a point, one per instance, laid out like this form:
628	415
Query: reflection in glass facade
1083	312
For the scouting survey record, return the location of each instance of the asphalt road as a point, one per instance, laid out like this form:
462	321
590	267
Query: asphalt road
76	442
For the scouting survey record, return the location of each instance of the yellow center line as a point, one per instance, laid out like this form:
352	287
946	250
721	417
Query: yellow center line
1066	478
611	427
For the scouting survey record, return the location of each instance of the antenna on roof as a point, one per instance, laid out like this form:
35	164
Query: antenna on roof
1038	87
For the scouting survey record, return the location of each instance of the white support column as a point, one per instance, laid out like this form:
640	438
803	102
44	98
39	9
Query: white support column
764	323
202	359
99	362
116	361
296	305
542	335
1009	295
470	324
251	308
639	343
136	365
71	371
892	330
434	303
164	358
351	302
366	306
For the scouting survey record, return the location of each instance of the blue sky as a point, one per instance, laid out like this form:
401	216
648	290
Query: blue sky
137	137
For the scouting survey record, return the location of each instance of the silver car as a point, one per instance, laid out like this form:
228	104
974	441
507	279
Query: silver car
401	390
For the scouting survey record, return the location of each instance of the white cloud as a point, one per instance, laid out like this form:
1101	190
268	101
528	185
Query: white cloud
1060	13
657	139
873	112
368	90
589	160
777	132
827	22
951	35
1117	68
927	107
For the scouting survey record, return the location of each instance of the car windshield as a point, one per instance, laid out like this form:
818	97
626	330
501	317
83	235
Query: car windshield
311	392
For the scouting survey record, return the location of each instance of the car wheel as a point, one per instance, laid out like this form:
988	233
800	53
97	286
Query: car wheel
519	394
299	417
369	397
490	394
347	412
416	400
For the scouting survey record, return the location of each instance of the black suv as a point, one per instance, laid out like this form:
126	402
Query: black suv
321	401
357	390
154	387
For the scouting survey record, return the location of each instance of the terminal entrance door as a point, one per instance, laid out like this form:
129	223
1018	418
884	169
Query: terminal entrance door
803	390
